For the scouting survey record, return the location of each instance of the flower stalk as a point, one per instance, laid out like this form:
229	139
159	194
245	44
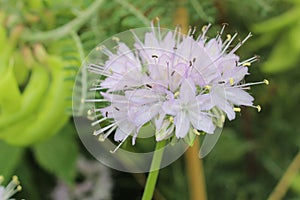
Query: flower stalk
154	170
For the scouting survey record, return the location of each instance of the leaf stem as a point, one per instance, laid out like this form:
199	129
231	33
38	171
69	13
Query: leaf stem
64	30
154	170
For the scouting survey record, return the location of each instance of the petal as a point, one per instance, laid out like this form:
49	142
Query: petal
182	124
125	128
146	113
201	121
228	109
239	97
119	135
171	107
187	91
142	96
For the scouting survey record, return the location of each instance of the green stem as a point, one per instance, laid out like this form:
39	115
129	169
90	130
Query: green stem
64	30
154	170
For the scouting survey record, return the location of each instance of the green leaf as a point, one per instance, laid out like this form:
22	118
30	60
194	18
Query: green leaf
58	155
277	23
285	54
9	158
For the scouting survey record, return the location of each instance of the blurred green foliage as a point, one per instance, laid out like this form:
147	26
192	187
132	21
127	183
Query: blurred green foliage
42	44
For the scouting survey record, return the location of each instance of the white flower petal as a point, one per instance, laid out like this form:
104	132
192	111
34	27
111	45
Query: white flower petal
171	107
187	91
182	124
201	121
239	97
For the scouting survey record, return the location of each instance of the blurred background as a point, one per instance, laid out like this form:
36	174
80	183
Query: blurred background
42	45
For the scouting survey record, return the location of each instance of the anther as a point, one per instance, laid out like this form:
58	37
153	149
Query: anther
266	82
222	118
90	112
19	188
15	180
196	132
231	81
149	86
101	138
228	37
176	94
208	87
171	119
258	108
237	109
248	64
114	38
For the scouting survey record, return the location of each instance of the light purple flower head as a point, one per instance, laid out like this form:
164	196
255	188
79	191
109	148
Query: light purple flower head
180	83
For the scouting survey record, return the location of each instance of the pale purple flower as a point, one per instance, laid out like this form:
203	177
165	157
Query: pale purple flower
178	83
189	109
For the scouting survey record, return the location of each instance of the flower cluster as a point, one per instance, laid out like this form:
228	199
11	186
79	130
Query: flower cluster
180	83
12	188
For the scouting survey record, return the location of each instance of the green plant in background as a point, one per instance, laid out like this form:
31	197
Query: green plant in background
282	32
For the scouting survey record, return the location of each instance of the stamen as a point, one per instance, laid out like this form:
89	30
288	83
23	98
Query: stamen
228	44
250	60
176	94
95	100
240	44
105	50
204	31
106	134
98	121
119	144
255	83
97	132
171	119
97	88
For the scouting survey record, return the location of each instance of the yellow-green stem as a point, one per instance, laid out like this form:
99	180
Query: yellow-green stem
286	180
